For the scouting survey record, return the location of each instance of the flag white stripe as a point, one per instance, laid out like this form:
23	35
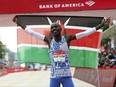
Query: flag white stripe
71	47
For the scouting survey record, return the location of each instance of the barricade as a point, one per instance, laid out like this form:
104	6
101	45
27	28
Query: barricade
3	72
97	77
11	70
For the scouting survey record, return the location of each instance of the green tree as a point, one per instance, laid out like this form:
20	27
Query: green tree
2	50
105	41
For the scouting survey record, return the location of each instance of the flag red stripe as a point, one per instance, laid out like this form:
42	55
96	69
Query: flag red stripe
88	41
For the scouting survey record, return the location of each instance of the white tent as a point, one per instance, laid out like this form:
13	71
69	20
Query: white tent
110	33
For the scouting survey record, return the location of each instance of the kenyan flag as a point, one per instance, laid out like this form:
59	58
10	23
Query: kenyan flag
83	52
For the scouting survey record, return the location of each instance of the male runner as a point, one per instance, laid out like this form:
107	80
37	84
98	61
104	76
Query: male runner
59	51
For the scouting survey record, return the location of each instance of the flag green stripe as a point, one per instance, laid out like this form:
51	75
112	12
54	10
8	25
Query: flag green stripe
83	58
33	54
78	58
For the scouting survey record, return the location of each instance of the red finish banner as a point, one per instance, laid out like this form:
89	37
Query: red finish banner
33	6
70	5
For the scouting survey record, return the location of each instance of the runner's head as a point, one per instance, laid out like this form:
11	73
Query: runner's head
55	29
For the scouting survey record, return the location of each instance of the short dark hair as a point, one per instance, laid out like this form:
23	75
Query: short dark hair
55	24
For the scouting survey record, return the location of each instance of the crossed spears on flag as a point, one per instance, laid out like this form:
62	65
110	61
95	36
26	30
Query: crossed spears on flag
60	23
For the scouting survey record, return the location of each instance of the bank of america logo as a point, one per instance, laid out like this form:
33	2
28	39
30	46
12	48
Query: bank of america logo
90	3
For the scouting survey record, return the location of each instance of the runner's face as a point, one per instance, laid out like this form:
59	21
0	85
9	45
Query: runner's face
55	29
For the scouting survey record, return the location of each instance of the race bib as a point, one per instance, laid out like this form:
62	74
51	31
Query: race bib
59	56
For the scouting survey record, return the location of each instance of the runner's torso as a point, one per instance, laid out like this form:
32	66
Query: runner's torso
59	56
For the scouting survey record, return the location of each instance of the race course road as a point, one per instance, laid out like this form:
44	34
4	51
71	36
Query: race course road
33	79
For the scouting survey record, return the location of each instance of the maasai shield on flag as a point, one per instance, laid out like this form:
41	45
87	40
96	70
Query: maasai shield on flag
83	52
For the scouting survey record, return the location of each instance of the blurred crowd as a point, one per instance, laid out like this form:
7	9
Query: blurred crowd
107	58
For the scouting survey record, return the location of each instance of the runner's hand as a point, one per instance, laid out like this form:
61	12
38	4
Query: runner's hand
15	20
106	21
